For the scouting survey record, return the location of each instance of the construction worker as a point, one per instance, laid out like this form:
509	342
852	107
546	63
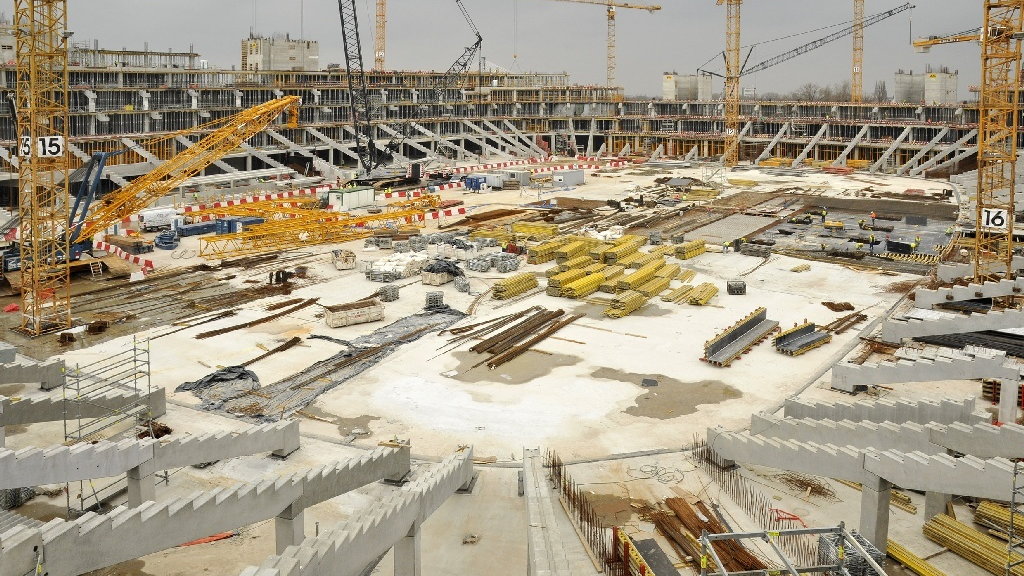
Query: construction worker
872	217
949	231
823	214
871	244
195	197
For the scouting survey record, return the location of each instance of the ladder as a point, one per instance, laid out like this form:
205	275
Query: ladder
96	269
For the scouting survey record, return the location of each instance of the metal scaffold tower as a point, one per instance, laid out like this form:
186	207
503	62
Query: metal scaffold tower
127	371
41	102
997	138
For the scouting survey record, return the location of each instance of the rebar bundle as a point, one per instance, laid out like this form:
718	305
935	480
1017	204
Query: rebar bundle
559	280
583	287
698	518
966	542
916	564
625	304
597	252
645	273
544	252
630	239
686	275
702	294
571	250
514	286
654	286
612	275
621	250
577	262
691	249
628	260
663	250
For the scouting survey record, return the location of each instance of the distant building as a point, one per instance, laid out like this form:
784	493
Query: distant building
934	87
280	53
685	87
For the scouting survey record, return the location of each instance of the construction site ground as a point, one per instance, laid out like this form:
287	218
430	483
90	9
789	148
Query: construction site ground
578	393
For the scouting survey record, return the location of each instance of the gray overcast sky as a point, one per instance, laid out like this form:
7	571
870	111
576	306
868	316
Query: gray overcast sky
555	36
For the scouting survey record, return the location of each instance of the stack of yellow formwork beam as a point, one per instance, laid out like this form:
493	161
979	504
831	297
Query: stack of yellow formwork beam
584	286
630	239
597	252
593	268
634	280
616	253
702	194
691	249
686	275
663	250
993	514
571	250
629	259
858	164
502	236
612	275
513	286
556	282
678	294
540	230
544	252
654	286
669	271
917	565
977	547
702	294
625	303
577	262
641	260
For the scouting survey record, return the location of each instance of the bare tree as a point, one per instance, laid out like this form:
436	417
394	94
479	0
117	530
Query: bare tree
807	93
881	93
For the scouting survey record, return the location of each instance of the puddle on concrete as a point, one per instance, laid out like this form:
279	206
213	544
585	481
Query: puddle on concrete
532	364
11	389
671	397
43	511
129	568
611	509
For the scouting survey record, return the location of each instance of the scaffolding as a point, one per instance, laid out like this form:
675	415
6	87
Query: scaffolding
1015	533
840	552
126	371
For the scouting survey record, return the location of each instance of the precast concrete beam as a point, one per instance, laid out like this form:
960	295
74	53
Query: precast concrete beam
350	546
846	375
347	150
92	541
529	141
898	329
810	145
927	298
889	151
924	150
49	374
184	141
36	410
954	147
518	146
767	152
841	159
950	272
943	411
990	478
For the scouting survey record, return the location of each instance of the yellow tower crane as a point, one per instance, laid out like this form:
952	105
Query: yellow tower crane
380	35
857	71
732	81
611	6
41	96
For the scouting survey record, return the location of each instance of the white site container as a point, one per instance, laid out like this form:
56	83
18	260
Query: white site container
358	312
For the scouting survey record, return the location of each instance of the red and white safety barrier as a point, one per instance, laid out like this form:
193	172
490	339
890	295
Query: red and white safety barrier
144	263
467	169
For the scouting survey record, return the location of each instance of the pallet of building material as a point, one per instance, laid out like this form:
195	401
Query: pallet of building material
678	294
544	252
691	249
758	250
642	259
130	245
635	279
583	287
654	286
669	271
539	230
702	294
801	339
739	338
435	278
564	278
625	304
570	251
984	551
513	286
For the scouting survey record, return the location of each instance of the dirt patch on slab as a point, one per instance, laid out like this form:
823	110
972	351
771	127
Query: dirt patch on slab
42	510
129	568
15	429
611	509
671	397
11	389
532	364
359	426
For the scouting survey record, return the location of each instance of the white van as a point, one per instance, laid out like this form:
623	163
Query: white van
157	218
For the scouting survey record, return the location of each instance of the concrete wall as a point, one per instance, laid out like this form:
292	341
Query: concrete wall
544	550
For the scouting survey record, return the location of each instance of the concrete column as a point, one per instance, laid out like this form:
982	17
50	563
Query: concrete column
407	553
141	484
935	504
874	511
289	527
1008	391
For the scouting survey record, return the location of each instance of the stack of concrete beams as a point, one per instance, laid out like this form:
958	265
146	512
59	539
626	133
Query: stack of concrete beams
723	349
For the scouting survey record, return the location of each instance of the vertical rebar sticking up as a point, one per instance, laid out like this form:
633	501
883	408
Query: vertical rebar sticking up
1015	533
857	81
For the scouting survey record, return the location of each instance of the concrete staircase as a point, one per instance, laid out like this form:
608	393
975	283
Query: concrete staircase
987	364
945	411
898	329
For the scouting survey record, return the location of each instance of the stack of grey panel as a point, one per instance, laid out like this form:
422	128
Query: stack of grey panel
462	283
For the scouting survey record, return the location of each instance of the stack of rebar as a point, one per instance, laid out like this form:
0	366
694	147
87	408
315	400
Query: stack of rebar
583	287
686	275
702	294
625	303
628	260
577	262
597	252
570	251
966	542
535	229
514	286
690	249
698	518
663	250
642	259
645	273
620	251
508	337
612	275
